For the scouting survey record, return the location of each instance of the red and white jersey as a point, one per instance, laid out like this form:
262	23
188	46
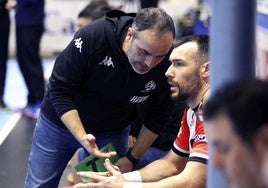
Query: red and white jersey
191	140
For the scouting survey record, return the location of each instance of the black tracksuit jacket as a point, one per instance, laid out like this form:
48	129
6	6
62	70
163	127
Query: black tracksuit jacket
93	75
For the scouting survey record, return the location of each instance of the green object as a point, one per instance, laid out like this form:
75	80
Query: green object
95	164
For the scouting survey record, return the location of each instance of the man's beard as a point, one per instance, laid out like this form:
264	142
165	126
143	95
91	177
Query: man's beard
188	92
181	96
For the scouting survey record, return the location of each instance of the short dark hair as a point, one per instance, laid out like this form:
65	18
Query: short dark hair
245	103
153	18
202	42
95	9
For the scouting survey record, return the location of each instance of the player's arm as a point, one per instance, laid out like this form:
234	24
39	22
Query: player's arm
171	171
193	176
169	165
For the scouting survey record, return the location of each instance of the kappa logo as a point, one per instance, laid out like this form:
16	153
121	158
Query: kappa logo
149	86
107	62
78	43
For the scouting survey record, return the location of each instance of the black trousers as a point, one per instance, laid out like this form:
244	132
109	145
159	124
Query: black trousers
28	40
4	36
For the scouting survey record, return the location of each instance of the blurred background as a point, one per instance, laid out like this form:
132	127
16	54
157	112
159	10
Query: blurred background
190	16
61	16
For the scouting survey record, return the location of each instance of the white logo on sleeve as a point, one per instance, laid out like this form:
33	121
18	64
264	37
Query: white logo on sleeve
78	43
107	62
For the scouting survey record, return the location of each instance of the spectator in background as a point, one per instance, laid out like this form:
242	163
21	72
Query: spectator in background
29	19
94	10
4	38
236	122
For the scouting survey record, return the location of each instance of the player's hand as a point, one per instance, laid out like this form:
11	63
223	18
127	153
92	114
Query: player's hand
112	178
124	165
89	143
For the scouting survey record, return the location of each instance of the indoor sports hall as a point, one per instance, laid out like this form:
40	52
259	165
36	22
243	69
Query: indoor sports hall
16	130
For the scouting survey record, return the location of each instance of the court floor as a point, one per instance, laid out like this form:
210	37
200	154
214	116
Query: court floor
16	131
